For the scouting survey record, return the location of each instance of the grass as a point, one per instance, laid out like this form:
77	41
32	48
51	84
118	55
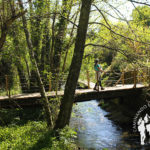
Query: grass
34	136
26	130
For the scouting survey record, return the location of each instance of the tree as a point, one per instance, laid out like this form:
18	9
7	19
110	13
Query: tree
8	14
141	16
34	63
60	38
19	54
67	101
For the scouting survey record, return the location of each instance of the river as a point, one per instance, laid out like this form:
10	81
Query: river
96	132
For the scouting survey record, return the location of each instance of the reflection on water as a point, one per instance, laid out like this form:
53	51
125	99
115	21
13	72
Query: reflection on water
96	132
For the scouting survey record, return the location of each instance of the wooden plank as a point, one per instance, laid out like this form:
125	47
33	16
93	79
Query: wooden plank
60	93
24	100
80	96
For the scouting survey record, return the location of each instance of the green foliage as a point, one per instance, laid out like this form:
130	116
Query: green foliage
40	22
18	116
66	141
125	50
22	129
140	15
34	136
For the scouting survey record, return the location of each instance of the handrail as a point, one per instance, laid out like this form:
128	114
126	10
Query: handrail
134	76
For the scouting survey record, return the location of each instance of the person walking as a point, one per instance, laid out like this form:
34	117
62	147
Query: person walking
98	70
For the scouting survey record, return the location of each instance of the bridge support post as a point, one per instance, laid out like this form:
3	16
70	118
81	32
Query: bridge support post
88	79
50	85
122	78
7	86
148	70
118	80
57	84
144	75
134	77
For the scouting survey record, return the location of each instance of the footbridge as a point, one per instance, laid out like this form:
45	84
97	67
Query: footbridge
117	85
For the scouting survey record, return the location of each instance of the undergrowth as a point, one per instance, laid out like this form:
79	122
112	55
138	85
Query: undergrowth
25	129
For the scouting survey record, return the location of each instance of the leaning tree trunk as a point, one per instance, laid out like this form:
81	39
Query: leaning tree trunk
42	89
67	101
36	9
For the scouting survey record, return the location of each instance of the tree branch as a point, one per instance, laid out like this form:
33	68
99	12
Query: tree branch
102	15
55	13
114	16
131	60
5	26
104	46
13	18
142	3
118	33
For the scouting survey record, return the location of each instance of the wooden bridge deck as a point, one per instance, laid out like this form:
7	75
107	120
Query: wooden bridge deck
80	95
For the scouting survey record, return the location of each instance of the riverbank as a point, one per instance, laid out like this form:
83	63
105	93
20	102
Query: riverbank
122	110
96	132
25	129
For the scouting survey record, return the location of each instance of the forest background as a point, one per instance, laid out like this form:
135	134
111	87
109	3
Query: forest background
58	41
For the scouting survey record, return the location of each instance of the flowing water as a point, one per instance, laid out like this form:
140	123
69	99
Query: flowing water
96	132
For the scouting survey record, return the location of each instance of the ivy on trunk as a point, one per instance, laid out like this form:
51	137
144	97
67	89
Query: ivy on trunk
67	101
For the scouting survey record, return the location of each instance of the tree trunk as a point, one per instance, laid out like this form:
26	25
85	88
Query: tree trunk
5	25
53	34
67	101
36	36
70	43
59	39
45	51
19	65
42	89
3	37
45	54
36	28
59	42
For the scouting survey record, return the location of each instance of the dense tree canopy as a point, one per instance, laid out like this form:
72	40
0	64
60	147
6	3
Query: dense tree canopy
41	42
140	15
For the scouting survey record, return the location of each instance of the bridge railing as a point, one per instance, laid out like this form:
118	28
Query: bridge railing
138	76
114	78
15	84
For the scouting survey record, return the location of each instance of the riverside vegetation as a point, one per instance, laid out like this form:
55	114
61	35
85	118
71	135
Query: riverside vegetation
58	41
26	129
